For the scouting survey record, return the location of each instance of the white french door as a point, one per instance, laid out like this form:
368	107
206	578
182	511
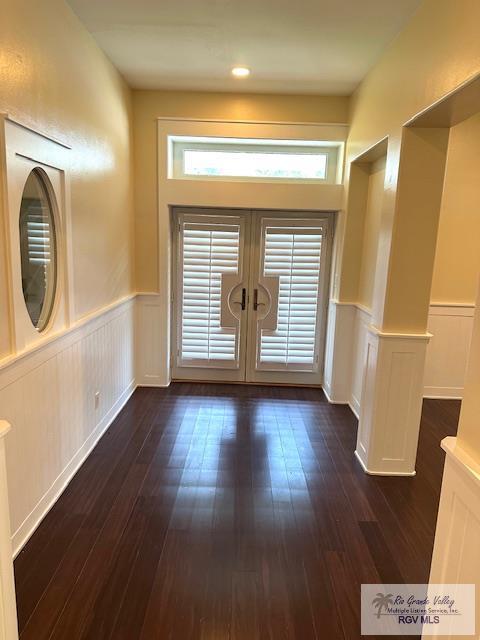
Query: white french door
250	294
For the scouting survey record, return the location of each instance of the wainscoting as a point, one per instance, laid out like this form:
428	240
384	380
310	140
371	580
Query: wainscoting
446	361
447	354
456	554
59	399
49	395
151	350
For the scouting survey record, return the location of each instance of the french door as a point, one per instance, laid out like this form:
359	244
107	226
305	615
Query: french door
249	291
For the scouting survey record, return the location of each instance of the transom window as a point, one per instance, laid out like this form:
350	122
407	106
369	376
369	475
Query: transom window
254	160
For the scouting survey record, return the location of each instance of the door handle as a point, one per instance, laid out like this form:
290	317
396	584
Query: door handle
256	303
243	302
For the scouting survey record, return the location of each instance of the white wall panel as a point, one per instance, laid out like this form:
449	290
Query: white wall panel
456	552
359	356
48	396
447	353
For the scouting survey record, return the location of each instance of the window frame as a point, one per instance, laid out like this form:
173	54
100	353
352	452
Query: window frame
333	150
27	150
48	307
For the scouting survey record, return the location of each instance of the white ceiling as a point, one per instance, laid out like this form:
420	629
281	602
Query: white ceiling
291	46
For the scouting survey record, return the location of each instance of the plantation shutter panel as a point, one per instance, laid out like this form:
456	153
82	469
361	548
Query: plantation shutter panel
293	255
207	251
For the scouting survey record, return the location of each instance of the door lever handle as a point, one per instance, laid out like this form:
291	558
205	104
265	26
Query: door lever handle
244	298
256	303
243	302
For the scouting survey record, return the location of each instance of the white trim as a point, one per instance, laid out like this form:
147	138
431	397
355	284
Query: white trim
448	351
8	609
391	403
260	122
62	377
24	532
23	125
398	336
456	557
454	305
464	461
370	472
227	195
54	343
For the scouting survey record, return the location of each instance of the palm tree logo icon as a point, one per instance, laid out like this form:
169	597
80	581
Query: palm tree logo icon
382	601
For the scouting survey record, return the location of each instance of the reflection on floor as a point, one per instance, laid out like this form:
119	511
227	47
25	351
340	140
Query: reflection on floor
229	512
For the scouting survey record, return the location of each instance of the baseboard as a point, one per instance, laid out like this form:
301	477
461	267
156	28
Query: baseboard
370	472
342	402
35	517
330	399
354	409
150	385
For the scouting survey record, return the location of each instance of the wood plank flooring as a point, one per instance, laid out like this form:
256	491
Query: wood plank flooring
228	512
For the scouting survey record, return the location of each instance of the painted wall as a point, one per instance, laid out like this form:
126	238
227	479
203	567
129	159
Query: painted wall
54	78
373	214
457	259
437	51
149	105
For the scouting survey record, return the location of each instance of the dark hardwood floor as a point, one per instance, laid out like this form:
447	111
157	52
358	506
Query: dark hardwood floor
228	512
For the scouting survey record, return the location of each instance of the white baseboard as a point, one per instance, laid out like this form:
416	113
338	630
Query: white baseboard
35	517
381	473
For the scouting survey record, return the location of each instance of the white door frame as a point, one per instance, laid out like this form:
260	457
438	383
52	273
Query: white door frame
246	368
154	304
291	376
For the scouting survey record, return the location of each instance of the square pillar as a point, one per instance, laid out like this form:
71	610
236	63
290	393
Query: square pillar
391	404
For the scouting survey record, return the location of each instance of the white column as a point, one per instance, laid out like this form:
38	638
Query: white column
8	609
391	405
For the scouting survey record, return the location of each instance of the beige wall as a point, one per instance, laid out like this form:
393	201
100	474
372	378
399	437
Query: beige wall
54	78
149	105
457	259
373	213
437	51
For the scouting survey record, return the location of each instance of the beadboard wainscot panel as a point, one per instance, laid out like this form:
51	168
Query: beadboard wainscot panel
60	397
151	347
456	552
363	319
447	354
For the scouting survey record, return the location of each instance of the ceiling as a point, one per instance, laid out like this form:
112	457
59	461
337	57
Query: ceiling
291	46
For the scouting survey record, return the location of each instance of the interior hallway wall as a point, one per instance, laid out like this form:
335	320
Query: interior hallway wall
437	51
54	78
457	259
371	232
150	105
62	395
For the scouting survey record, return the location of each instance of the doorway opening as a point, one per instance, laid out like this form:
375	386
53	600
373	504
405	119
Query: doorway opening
250	294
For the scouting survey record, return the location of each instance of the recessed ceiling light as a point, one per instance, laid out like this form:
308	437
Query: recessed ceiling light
240	72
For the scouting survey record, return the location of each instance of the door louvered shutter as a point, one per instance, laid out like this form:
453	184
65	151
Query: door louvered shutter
293	255
207	251
38	237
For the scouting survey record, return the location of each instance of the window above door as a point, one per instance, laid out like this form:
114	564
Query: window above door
255	160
